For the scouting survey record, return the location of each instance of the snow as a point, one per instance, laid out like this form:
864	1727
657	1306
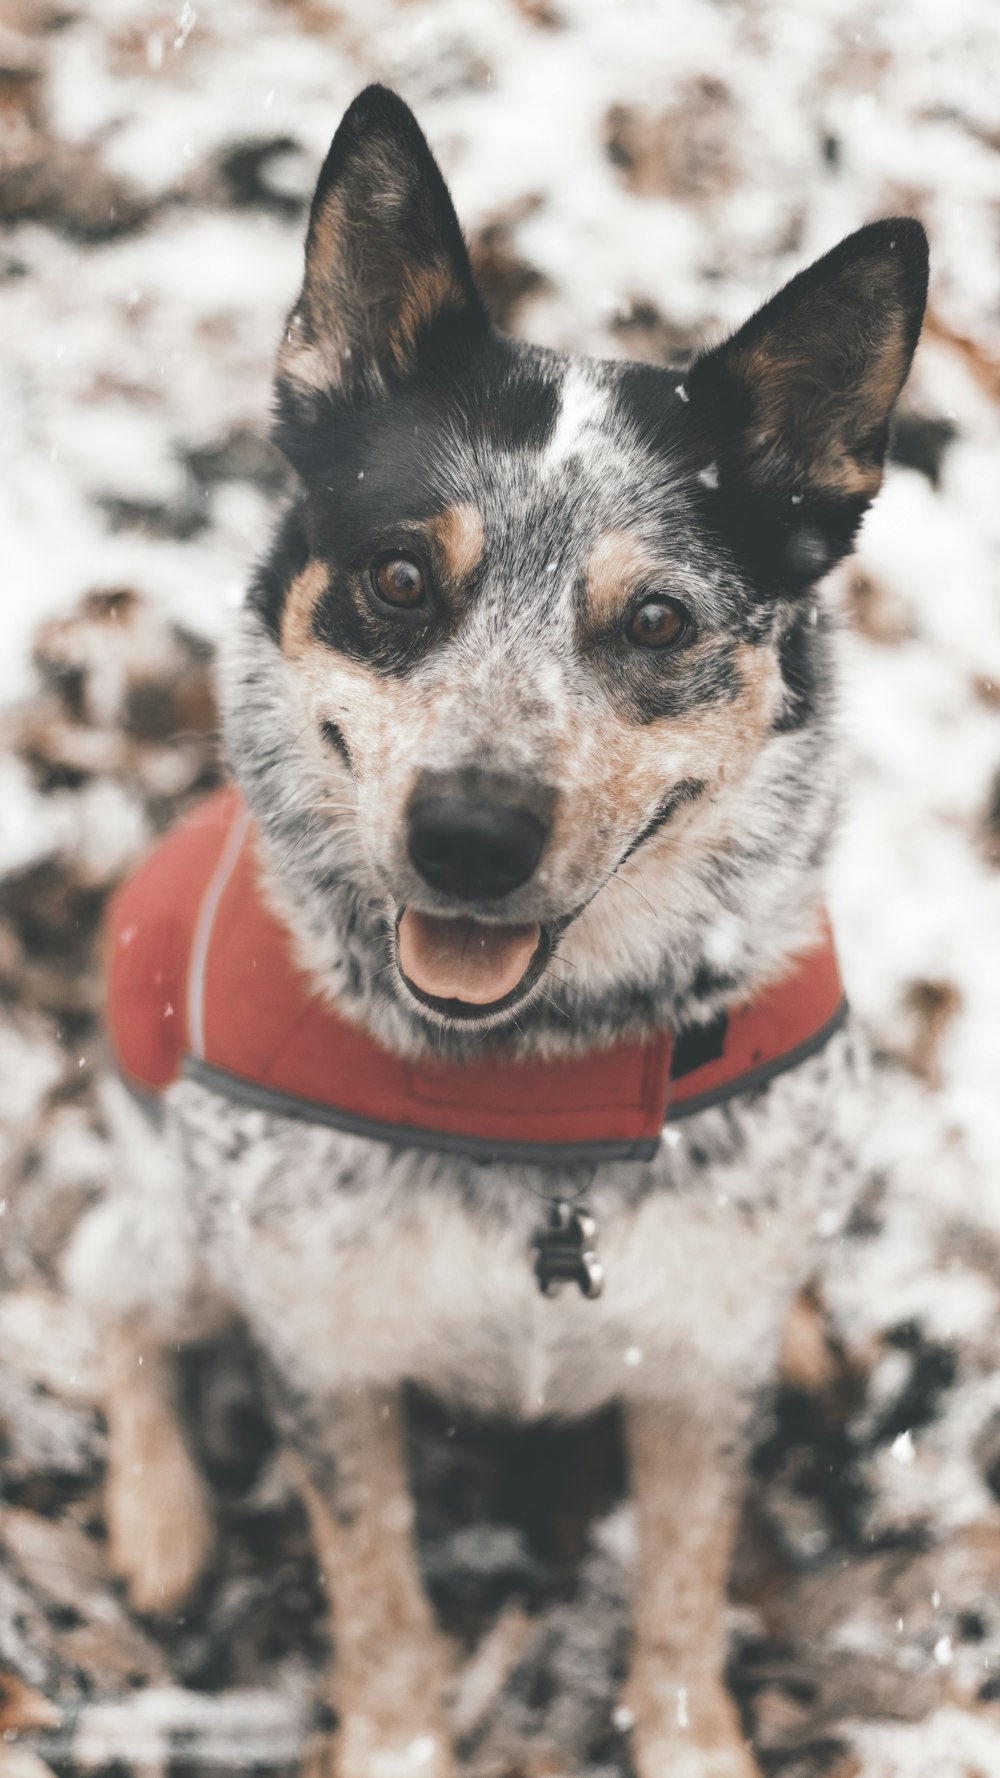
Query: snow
759	133
950	1745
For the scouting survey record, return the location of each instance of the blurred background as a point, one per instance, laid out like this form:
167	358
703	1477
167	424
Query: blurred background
633	180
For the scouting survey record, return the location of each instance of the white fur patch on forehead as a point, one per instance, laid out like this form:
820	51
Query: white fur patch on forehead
582	409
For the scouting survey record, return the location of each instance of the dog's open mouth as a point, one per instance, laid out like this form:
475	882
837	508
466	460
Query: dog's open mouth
468	968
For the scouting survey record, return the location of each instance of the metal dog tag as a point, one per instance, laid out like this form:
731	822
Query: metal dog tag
564	1252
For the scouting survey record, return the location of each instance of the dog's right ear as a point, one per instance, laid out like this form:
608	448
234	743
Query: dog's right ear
796	405
385	260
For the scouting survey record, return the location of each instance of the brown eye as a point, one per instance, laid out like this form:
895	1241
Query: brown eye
399	581
659	623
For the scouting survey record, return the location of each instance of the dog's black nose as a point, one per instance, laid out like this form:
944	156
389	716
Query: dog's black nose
476	850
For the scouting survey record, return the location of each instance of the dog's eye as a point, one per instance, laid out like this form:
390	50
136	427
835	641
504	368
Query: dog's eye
399	581
660	623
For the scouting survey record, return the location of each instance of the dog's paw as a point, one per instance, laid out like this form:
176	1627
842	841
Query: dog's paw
159	1519
685	1732
317	1761
366	1749
656	1758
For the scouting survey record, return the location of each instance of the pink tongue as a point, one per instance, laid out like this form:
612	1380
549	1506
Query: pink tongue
463	959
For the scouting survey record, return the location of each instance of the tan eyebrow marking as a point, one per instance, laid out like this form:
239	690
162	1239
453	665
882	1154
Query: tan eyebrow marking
617	564
458	531
301	599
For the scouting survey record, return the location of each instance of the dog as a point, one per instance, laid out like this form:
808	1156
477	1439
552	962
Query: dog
531	717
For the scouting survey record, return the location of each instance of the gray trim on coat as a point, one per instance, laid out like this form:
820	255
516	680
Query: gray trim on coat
485	1149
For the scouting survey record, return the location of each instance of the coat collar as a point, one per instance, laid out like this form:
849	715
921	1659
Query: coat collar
202	982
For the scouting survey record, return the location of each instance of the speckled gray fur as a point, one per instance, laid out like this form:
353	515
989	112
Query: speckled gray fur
434	1254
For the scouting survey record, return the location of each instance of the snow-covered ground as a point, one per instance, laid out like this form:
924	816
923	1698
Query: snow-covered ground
634	178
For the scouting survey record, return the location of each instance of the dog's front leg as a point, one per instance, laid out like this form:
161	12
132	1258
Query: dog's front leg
687	1490
390	1666
160	1527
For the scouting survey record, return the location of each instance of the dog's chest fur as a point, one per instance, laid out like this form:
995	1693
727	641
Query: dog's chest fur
364	1265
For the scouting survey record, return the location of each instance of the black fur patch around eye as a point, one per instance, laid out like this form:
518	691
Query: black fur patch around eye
288	556
375	465
343	622
655	690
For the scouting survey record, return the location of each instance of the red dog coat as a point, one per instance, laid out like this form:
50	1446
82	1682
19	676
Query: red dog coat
202	981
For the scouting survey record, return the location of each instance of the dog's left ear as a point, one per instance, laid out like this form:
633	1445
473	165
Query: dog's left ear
385	258
795	407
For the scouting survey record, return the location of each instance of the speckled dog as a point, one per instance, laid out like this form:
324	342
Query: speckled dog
537	660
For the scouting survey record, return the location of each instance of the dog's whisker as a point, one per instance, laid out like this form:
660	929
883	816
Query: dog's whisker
563	961
626	883
614	880
382	970
561	979
297	846
546	996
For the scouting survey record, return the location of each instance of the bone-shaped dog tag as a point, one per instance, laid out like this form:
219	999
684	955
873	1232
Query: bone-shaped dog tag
565	1252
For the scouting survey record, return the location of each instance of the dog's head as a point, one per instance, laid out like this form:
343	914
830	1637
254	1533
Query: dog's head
540	616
